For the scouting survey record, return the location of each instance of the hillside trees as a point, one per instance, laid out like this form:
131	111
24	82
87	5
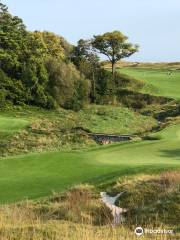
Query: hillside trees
12	42
66	85
23	61
87	62
11	90
21	57
43	69
115	46
103	84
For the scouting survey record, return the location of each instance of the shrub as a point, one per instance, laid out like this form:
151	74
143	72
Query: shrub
152	137
66	86
12	90
138	100
2	98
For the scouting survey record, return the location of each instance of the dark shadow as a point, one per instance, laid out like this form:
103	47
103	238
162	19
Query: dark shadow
174	153
109	179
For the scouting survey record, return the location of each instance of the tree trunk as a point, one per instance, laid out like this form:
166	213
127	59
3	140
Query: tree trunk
113	67
94	88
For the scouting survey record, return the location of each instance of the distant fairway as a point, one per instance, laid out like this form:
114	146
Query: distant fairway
158	81
37	175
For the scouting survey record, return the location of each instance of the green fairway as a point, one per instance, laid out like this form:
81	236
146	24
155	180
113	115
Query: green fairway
37	175
158	82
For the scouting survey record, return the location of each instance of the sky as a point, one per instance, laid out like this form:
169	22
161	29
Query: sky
153	24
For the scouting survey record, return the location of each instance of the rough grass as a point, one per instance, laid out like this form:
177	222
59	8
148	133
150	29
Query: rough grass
157	65
112	119
55	230
158	82
151	199
77	214
65	130
95	118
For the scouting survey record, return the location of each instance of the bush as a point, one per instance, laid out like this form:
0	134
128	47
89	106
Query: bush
12	90
152	137
138	100
2	98
66	86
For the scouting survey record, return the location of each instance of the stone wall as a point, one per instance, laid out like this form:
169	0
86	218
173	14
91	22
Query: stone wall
109	138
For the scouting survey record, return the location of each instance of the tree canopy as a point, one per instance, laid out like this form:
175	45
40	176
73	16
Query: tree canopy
23	61
43	69
115	46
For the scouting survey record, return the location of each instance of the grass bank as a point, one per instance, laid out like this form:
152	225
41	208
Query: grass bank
30	129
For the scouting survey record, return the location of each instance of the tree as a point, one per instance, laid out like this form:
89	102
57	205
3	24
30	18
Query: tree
66	85
12	42
115	46
35	67
52	43
87	61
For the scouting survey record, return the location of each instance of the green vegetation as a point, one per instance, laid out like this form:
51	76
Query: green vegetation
157	81
117	120
35	65
36	175
52	96
153	198
42	69
12	125
115	46
76	214
65	129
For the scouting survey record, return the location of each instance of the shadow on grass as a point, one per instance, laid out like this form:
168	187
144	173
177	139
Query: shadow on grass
109	179
175	153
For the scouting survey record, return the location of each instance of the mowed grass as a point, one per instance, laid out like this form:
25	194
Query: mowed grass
158	81
38	175
11	125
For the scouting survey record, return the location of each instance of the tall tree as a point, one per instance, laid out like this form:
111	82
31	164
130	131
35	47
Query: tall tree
12	42
87	61
52	43
115	46
66	85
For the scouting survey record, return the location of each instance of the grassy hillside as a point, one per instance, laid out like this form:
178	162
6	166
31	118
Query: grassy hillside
158	82
37	175
36	129
94	118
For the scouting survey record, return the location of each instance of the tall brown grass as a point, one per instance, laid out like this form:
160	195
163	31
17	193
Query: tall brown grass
17	223
76	215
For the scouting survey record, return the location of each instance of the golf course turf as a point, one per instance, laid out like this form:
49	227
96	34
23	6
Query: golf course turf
38	174
159	82
35	175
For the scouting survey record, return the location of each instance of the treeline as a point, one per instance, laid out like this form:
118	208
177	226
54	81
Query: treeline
35	67
43	69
